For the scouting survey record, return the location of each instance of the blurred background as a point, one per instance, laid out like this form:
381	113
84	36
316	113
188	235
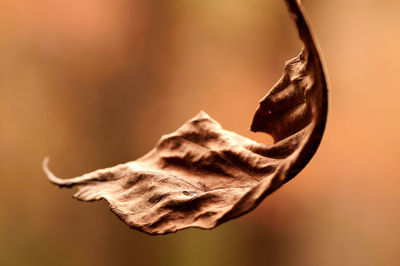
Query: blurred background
95	83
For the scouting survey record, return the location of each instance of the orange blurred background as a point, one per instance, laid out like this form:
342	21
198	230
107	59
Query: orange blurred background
95	83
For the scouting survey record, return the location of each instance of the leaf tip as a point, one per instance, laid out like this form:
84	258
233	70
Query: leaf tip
50	176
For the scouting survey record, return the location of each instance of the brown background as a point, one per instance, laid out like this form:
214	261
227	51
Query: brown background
95	83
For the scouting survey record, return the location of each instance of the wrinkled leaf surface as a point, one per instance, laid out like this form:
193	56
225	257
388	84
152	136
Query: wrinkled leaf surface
202	175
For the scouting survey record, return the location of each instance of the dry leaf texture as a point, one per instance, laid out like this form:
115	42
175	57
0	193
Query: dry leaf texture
202	175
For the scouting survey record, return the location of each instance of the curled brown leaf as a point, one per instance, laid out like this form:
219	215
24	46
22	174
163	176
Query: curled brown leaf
202	175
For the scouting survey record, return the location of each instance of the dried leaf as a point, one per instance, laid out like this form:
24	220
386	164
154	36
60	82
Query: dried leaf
202	175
